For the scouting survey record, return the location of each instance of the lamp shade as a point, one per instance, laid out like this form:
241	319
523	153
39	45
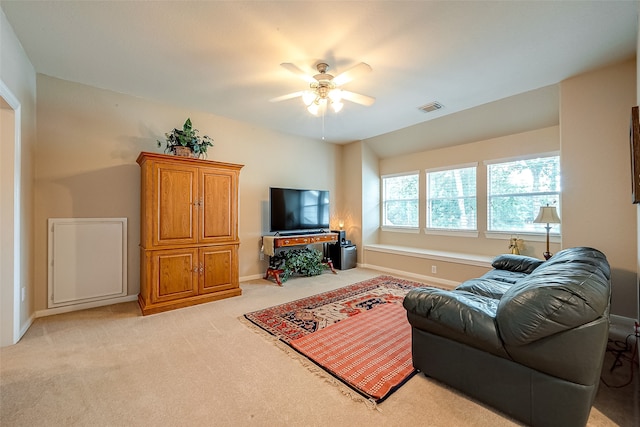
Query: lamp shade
547	215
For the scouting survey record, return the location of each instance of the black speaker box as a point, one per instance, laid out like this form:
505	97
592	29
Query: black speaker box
342	236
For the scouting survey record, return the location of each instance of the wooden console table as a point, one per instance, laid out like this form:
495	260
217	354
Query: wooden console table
271	243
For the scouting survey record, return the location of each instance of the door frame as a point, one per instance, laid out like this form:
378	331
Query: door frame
10	219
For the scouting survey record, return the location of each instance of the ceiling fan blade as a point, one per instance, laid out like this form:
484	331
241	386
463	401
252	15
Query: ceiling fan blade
351	73
298	72
358	98
285	97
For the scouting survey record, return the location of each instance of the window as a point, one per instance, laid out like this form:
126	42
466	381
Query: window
451	199
400	200
517	189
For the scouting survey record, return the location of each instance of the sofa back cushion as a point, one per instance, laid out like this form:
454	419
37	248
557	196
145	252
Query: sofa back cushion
571	289
516	263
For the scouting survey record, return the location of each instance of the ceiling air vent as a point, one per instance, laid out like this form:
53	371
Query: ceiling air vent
432	106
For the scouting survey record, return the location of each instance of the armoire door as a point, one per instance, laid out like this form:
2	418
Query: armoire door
218	213
175	274
175	205
220	268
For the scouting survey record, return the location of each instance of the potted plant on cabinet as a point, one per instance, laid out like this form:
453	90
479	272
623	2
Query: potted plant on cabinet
186	141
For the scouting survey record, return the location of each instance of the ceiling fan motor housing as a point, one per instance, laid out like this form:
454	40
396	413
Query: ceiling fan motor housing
323	77
323	84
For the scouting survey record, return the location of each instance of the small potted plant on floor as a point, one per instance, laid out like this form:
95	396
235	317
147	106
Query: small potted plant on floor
186	142
305	262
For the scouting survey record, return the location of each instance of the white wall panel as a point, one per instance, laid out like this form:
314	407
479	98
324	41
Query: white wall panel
87	260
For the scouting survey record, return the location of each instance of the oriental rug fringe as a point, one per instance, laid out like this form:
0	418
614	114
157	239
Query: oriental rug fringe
358	334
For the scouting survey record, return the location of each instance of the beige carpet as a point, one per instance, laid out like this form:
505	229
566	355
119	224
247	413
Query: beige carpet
201	366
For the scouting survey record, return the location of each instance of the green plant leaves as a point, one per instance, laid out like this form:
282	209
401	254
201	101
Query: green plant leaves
186	137
305	261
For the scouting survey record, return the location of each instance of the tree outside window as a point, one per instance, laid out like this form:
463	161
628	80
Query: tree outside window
451	199
517	189
400	200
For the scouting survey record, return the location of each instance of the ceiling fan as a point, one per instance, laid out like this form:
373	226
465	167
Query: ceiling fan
324	89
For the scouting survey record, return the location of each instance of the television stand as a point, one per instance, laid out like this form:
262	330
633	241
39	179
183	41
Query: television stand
298	233
271	243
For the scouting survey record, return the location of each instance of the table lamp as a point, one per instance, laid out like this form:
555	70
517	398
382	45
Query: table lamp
547	215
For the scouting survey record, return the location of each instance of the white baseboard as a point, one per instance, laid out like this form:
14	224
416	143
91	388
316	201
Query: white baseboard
251	277
621	326
26	326
84	306
622	320
422	278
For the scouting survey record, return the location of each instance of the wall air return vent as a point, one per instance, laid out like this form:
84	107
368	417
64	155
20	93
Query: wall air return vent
432	106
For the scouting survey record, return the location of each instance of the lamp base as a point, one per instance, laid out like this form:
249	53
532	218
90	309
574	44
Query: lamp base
547	255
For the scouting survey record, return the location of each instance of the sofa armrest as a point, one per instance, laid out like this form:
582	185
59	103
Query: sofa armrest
575	355
458	315
516	263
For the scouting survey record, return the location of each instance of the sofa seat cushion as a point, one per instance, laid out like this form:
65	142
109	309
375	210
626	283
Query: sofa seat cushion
458	315
485	287
504	276
507	270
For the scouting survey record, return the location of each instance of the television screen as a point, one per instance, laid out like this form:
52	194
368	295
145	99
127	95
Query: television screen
293	209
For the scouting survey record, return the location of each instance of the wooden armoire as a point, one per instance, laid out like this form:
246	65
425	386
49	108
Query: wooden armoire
188	231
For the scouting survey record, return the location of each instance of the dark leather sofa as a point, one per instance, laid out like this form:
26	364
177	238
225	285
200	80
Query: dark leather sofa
527	338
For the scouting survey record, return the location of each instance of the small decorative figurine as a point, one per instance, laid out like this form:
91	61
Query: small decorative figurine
515	245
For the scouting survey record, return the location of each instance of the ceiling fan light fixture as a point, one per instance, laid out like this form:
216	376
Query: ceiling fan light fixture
335	95
308	97
337	106
313	108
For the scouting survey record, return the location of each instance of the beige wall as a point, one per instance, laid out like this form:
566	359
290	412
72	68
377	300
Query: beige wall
538	141
351	185
596	177
360	204
18	77
370	196
449	274
593	140
88	142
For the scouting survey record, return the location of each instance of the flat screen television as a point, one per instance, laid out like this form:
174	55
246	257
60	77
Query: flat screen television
295	210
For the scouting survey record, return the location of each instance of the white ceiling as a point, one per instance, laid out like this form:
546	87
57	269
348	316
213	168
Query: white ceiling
223	57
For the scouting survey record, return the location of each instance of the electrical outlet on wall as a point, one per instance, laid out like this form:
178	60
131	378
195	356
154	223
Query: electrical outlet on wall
434	269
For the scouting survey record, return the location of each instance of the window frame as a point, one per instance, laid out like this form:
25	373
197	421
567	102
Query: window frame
554	236
459	232
383	206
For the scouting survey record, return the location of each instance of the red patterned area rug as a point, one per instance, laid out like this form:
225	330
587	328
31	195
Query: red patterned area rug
358	333
371	352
